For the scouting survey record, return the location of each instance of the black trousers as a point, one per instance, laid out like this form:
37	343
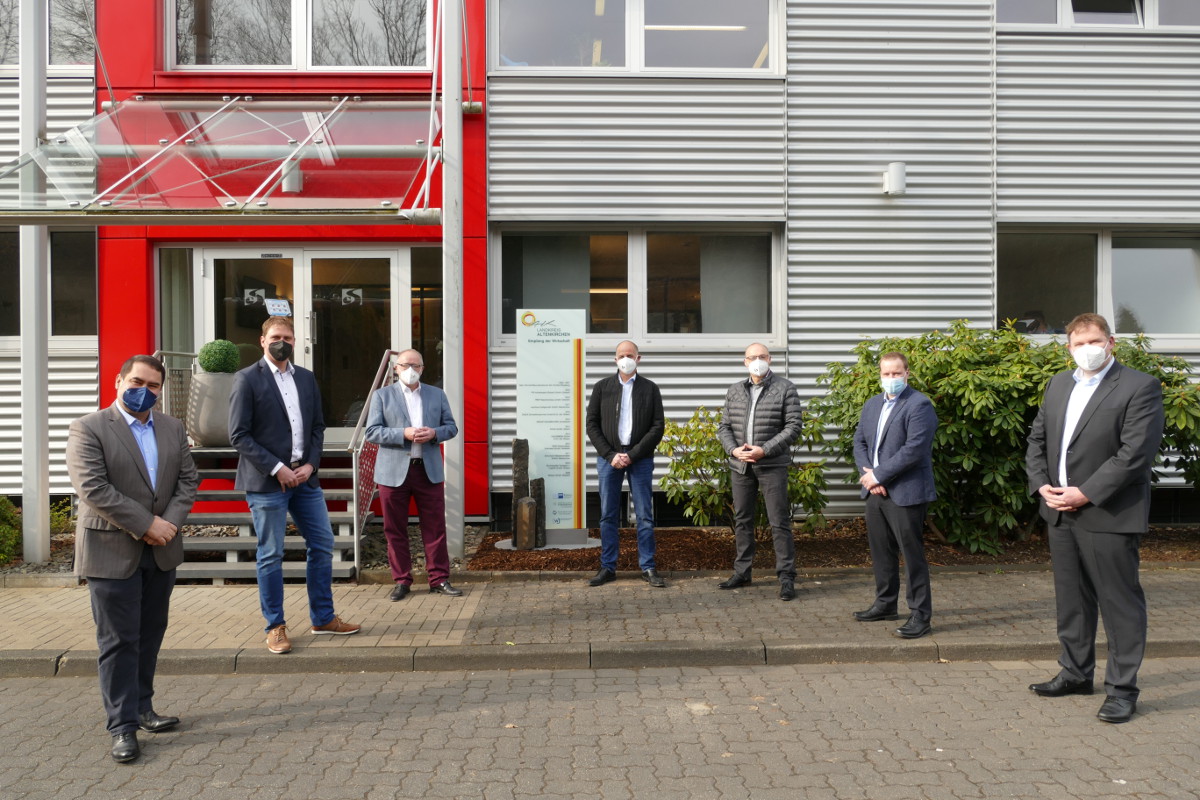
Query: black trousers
131	620
1099	572
893	531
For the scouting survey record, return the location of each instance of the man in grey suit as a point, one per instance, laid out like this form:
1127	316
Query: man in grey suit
893	449
1090	456
132	471
409	421
759	424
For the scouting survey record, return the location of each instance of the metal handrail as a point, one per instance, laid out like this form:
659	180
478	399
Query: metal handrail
169	399
363	453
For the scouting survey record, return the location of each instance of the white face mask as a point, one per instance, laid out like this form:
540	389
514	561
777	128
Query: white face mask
410	376
1089	357
758	367
626	365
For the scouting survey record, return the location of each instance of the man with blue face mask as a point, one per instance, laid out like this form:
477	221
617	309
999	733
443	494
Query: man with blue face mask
893	450
1090	458
132	470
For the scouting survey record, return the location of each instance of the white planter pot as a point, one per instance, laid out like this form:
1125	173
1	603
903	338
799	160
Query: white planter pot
208	408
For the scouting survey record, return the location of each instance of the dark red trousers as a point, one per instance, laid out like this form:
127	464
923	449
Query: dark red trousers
431	508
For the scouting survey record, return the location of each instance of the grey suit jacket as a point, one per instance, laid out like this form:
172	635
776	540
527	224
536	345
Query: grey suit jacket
1111	453
116	502
386	421
905	448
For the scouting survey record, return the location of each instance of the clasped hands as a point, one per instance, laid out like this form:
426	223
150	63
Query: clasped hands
621	461
1063	498
748	453
868	481
291	478
160	532
420	435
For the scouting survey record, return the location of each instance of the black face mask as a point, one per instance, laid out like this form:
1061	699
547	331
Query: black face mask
280	350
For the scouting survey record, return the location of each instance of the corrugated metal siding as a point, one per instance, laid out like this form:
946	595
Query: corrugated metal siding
69	101
1098	128
871	82
73	392
635	149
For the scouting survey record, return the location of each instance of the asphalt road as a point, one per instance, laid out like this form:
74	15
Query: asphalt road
823	732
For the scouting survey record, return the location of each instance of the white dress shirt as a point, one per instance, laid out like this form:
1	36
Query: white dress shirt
888	404
412	399
285	381
625	415
1080	395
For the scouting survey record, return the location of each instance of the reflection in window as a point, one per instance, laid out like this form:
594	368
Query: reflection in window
562	33
708	34
568	270
1106	12
1043	12
10	283
73	283
708	284
233	32
71	25
176	300
1178	12
1156	285
1045	279
368	33
426	277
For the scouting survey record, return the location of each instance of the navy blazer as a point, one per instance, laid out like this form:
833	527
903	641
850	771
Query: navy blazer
386	422
259	429
1111	454
905	447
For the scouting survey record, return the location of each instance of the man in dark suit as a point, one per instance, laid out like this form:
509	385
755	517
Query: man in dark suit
893	449
760	423
409	421
133	473
278	429
1090	456
625	424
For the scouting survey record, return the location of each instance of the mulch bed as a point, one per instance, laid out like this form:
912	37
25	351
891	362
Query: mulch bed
843	543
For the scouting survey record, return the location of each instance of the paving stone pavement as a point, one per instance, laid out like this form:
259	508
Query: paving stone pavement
548	622
928	731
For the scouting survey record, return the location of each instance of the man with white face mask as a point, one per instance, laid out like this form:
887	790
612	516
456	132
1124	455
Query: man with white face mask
409	421
1090	456
625	425
759	424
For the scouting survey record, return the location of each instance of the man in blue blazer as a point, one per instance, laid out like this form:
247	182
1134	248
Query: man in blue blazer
893	449
409	421
278	429
1090	458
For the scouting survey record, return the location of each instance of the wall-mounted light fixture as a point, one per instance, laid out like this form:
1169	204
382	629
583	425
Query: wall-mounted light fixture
895	179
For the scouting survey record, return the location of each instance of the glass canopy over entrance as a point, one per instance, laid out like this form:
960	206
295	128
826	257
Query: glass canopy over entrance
231	161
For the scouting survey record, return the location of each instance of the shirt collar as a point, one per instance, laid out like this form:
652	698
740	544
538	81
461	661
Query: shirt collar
629	382
130	419
1092	381
404	388
291	368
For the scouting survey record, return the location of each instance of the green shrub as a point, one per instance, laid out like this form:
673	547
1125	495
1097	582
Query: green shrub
986	386
62	517
698	475
10	530
219	355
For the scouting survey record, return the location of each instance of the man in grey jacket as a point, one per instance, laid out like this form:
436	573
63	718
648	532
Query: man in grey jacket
760	423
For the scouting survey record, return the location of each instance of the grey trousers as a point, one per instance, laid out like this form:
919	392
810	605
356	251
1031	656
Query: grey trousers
772	482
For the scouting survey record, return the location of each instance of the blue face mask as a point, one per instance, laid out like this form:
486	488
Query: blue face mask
139	399
892	386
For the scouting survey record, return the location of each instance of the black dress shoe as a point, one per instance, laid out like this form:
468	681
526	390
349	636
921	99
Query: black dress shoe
445	588
652	577
735	581
915	628
153	723
125	747
787	589
875	613
400	592
1061	685
602	577
1117	709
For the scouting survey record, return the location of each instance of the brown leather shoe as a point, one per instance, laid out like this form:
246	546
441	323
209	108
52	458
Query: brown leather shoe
336	627
277	640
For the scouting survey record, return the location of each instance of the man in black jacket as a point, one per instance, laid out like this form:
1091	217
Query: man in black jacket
625	425
760	423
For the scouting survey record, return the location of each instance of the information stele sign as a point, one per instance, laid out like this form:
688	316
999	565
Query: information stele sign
550	407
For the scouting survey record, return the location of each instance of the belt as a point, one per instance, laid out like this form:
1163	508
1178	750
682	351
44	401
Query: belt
297	464
417	461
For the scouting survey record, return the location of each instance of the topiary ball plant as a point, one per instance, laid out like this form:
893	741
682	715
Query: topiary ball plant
219	355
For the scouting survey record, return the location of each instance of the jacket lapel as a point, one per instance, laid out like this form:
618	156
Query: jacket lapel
125	436
1107	385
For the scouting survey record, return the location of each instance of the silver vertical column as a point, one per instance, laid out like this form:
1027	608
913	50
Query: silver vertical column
35	305
452	273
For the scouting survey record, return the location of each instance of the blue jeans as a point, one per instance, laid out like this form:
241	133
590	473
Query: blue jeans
268	511
640	474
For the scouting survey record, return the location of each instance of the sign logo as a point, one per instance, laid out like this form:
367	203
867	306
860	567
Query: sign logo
528	319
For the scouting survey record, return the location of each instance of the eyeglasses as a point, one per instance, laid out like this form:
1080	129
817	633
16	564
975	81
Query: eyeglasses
414	366
763	356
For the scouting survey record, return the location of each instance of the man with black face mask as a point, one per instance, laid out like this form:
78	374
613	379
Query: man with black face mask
276	425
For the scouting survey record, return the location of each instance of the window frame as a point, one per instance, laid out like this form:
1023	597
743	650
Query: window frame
58	341
53	70
1147	14
302	19
637	275
1105	305
635	50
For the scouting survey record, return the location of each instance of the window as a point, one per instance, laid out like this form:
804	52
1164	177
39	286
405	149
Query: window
1142	283
636	35
70	22
641	283
72	283
301	34
1088	13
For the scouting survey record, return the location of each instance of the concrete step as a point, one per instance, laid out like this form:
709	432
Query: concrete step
228	474
250	543
214	495
245	570
243	518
